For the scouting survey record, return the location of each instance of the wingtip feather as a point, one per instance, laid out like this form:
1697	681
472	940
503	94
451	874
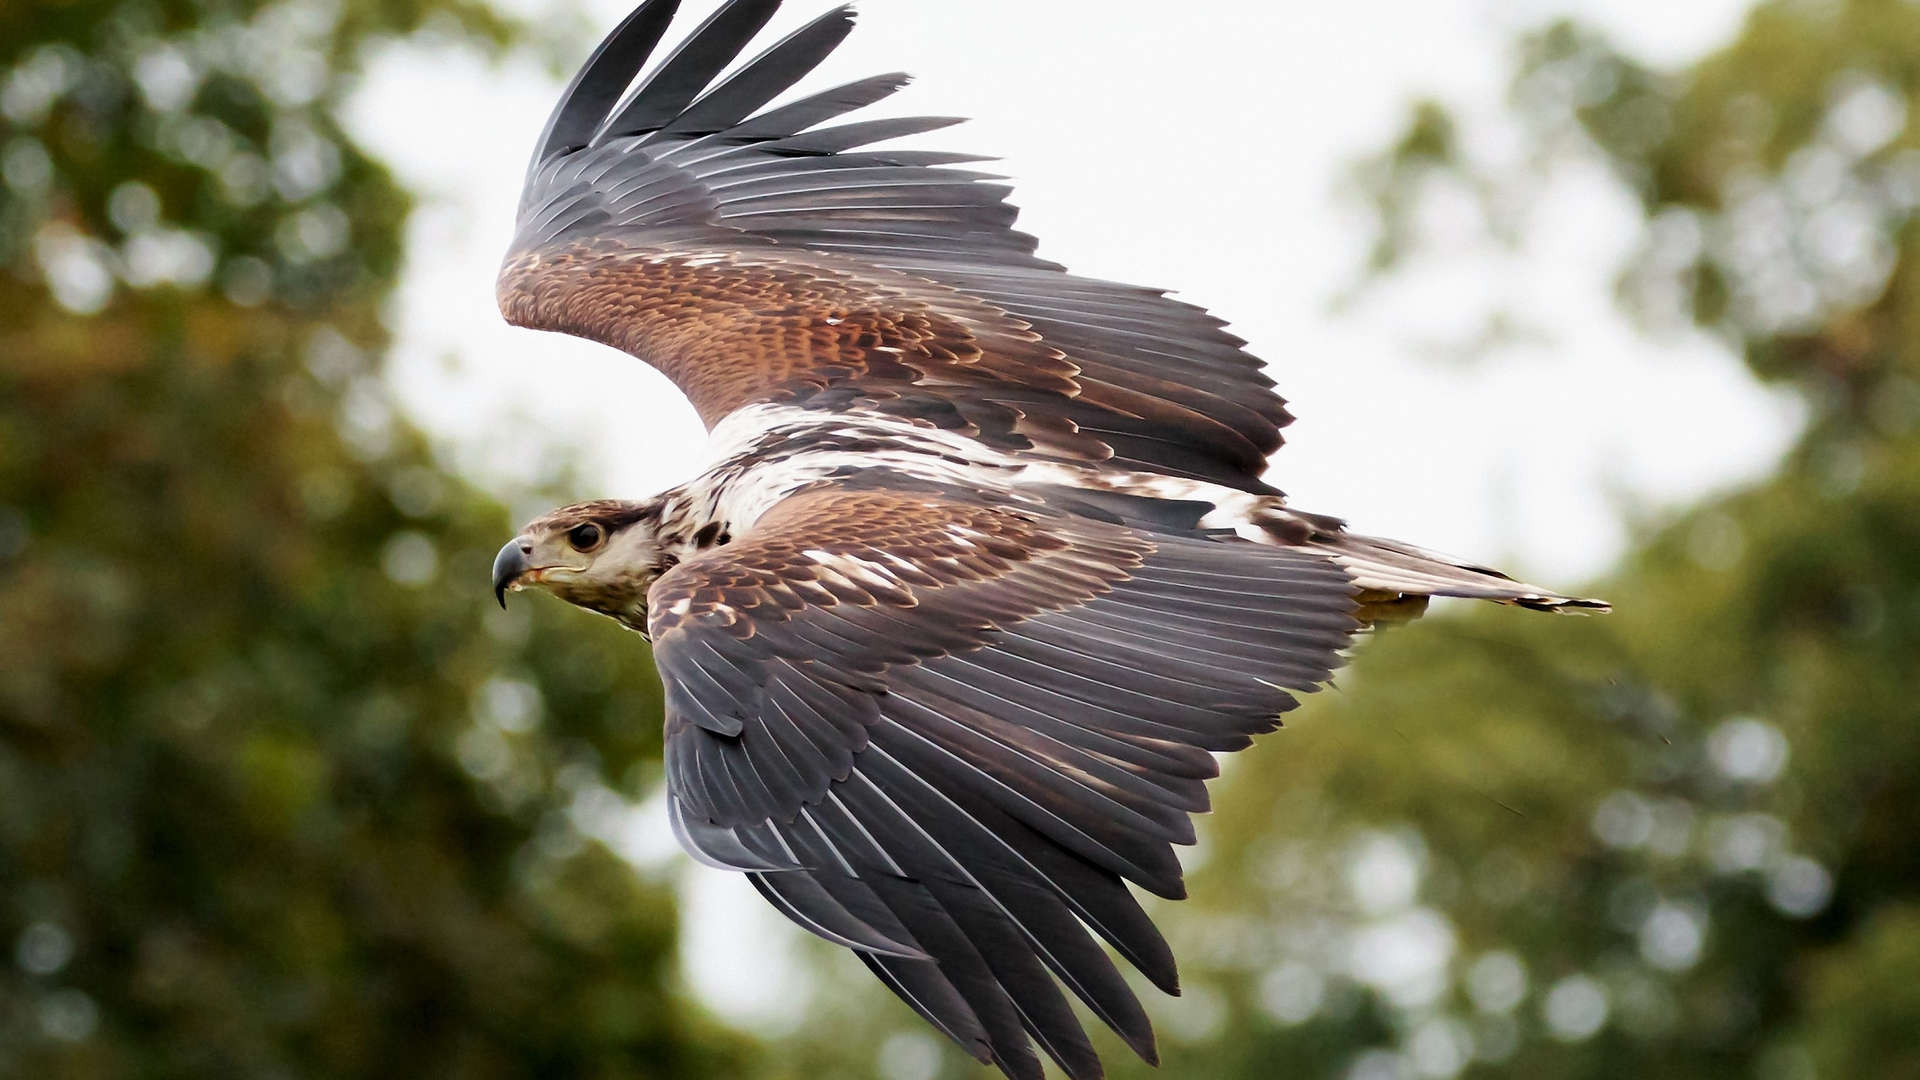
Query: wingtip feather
686	71
602	78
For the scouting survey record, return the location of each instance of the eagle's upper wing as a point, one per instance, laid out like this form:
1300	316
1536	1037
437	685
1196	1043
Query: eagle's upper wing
946	733
747	251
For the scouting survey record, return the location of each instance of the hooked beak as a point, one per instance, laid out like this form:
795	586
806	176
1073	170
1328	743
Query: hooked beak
508	566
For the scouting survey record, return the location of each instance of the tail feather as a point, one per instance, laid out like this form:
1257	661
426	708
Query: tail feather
1388	571
1394	580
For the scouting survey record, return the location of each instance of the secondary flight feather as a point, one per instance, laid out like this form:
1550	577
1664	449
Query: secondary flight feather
983	571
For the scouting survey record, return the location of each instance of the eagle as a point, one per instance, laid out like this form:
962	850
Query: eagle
983	573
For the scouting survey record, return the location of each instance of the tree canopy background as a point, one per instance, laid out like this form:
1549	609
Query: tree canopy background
285	796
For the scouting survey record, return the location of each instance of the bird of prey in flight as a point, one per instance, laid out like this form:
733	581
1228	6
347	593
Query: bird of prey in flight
982	573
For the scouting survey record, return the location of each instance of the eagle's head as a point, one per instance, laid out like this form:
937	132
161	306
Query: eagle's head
602	556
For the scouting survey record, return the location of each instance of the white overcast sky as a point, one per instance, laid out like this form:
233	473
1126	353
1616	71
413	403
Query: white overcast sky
1197	147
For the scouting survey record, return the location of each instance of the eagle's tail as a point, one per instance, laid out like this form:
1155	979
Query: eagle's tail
1396	579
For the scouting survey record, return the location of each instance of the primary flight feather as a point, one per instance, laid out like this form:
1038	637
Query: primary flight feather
983	572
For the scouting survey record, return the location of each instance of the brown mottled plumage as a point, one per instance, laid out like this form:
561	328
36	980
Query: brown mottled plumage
818	548
729	330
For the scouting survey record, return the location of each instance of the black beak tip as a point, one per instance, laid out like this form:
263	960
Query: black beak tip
507	568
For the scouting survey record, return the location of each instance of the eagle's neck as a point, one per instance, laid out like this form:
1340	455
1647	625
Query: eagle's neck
693	518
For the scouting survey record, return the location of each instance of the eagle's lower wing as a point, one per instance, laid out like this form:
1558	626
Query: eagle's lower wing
747	251
946	734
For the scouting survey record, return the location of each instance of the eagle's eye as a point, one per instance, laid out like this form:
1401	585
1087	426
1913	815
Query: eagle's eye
585	537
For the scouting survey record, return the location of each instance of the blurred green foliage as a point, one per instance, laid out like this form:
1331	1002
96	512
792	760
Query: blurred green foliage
284	795
1673	842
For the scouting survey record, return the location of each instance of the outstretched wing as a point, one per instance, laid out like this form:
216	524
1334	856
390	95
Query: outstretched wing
748	251
947	734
